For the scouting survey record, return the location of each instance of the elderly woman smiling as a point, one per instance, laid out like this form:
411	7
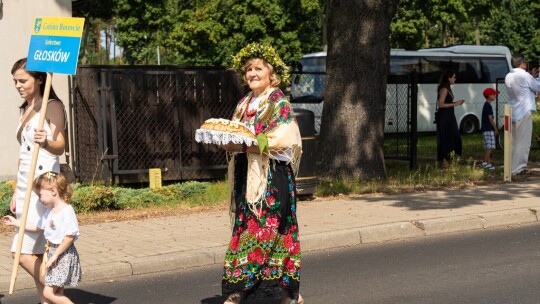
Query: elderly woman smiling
263	255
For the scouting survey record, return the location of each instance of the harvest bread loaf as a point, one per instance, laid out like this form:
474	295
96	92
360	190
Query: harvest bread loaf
223	131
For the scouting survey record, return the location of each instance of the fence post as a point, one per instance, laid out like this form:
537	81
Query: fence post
102	127
413	83
507	143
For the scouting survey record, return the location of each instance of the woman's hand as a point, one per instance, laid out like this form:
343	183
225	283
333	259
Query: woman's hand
460	102
9	220
40	137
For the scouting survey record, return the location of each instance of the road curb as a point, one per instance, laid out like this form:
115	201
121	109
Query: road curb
453	224
106	271
511	217
312	242
171	261
389	232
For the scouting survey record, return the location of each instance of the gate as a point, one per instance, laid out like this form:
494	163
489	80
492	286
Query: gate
400	129
127	119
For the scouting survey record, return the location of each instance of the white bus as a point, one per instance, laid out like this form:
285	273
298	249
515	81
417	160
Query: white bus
476	67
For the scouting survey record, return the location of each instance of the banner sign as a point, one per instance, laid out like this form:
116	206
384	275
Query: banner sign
54	45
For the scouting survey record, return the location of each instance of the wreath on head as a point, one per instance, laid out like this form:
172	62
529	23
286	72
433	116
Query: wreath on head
265	52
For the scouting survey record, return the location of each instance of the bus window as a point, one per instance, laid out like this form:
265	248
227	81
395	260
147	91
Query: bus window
404	65
467	70
432	68
493	68
308	81
313	64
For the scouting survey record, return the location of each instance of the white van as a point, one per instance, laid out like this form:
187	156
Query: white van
476	67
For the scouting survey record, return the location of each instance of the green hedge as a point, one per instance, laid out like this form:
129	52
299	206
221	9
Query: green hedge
6	193
88	198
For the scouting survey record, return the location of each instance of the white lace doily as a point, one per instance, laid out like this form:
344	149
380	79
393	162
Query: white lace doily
222	138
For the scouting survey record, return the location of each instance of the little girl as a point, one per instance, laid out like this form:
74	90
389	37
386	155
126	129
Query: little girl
59	222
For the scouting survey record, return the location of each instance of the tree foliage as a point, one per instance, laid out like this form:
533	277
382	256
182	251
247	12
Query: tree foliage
98	15
516	24
435	23
140	27
208	32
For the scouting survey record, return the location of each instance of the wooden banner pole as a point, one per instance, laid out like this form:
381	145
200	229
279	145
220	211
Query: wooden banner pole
29	189
507	143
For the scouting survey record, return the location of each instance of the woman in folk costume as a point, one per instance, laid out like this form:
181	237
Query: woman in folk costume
263	255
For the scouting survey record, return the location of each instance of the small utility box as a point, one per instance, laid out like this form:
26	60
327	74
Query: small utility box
154	178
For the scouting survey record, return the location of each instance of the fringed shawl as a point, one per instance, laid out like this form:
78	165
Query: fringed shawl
274	118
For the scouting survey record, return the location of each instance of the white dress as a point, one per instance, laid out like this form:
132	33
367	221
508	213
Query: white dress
67	270
33	242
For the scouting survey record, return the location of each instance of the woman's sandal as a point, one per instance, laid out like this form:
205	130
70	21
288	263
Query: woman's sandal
300	300
233	298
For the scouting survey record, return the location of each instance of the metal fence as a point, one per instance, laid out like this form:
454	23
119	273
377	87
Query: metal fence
127	120
307	92
400	130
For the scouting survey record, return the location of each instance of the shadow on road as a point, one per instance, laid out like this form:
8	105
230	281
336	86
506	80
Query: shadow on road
80	296
455	198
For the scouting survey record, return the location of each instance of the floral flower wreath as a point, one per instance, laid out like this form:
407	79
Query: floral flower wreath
265	52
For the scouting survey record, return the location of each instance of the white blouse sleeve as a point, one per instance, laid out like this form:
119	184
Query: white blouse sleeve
71	224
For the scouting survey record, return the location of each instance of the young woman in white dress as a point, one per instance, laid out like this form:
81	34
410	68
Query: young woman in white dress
51	138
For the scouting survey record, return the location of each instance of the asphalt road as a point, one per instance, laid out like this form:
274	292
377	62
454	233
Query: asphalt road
495	266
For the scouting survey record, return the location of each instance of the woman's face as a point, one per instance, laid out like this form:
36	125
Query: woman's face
452	79
258	76
26	84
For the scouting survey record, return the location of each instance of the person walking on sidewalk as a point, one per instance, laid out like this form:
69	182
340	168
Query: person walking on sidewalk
489	129
263	255
448	137
59	223
521	87
31	86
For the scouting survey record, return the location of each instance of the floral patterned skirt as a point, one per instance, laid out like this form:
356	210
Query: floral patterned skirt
67	271
263	256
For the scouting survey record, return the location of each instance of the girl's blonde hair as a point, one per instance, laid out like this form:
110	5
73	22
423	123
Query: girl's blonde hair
50	180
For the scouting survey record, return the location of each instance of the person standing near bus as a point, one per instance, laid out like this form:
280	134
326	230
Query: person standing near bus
448	137
489	129
521	87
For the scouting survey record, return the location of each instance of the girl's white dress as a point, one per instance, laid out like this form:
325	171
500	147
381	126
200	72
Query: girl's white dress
33	242
67	270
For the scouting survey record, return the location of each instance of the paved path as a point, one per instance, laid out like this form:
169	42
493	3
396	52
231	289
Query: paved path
119	249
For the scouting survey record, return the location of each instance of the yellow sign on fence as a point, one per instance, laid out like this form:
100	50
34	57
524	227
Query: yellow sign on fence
155	178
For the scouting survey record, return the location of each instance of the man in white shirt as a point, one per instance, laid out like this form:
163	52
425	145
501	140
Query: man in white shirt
521	87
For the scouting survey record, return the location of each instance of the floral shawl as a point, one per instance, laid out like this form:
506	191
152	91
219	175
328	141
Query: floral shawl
275	119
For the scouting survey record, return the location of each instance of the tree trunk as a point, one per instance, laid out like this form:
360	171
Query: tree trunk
352	131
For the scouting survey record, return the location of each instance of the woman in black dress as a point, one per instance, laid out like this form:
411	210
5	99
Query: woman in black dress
448	137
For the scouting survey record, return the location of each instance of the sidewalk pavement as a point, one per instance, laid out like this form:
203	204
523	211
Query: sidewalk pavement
119	249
